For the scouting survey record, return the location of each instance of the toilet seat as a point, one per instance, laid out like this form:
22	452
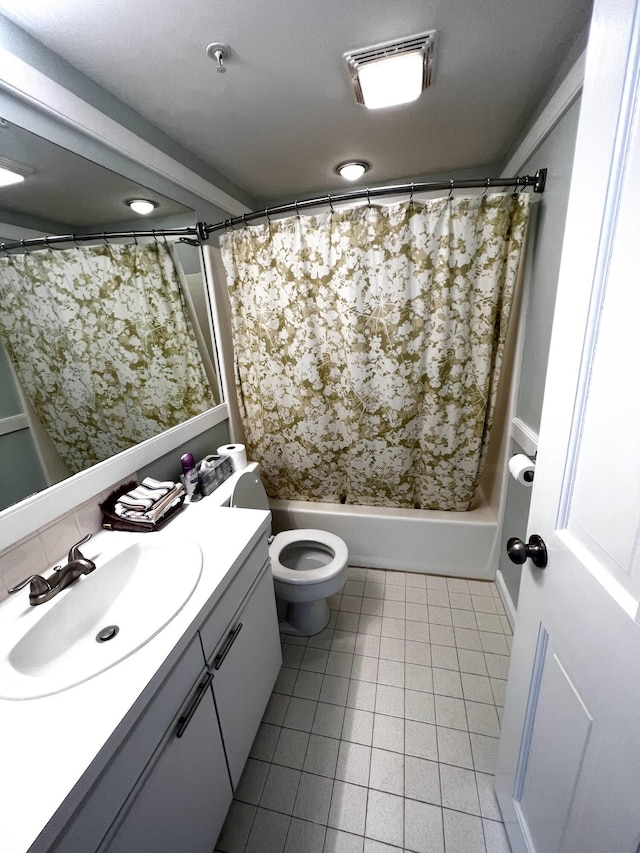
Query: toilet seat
309	577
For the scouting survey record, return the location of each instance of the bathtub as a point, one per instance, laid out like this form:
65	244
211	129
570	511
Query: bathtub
457	544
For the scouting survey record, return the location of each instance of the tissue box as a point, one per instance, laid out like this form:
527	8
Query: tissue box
212	471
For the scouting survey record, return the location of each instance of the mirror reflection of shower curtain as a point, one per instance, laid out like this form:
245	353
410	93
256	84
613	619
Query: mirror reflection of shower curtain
368	345
101	339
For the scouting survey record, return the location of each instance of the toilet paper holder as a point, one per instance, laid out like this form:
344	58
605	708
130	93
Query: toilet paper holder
521	467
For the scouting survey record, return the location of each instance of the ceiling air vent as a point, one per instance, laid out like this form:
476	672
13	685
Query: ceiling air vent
395	72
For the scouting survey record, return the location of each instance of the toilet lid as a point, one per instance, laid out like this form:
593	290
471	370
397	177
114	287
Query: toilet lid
249	492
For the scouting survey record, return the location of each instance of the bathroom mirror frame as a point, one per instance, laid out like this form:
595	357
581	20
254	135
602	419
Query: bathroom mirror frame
42	106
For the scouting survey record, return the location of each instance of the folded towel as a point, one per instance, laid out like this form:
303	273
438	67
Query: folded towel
133	505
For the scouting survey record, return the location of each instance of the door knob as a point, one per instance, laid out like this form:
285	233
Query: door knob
535	550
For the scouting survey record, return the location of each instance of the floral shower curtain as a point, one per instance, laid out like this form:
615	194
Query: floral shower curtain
368	346
102	343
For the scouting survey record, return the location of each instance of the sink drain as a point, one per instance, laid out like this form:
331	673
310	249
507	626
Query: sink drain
106	634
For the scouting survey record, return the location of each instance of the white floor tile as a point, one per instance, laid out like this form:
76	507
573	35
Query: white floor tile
422	780
454	747
268	832
313	798
423	830
385	818
354	762
348	807
463	833
459	789
387	771
337	841
305	836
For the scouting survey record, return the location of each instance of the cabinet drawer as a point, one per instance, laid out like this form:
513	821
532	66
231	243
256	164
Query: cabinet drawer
99	809
214	629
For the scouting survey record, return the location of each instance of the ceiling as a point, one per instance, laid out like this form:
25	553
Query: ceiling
284	114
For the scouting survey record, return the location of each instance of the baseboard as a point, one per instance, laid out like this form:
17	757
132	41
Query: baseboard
509	606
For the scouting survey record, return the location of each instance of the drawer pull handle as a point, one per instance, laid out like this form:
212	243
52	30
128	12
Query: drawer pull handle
184	721
219	659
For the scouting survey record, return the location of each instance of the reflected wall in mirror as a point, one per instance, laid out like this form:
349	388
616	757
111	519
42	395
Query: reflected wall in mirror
103	345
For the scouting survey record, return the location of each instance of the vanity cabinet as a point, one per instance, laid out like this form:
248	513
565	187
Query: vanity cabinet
245	662
183	796
170	783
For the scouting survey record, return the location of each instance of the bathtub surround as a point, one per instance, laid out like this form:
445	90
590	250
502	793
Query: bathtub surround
368	346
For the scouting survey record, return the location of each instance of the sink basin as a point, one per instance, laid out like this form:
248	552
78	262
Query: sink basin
54	646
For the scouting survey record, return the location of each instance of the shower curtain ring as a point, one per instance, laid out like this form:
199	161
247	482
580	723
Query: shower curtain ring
368	198
135	239
296	207
486	189
74	237
244	219
330	203
450	197
411	196
266	213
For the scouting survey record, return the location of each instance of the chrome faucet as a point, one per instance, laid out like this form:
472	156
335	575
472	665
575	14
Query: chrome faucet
43	589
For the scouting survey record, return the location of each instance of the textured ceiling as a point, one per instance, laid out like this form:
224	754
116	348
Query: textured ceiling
284	114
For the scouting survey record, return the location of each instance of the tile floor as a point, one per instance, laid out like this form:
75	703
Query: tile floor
381	732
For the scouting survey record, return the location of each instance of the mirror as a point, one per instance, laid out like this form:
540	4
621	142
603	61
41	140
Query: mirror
67	194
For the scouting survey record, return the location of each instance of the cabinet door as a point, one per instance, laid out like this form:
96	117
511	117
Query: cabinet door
182	801
246	666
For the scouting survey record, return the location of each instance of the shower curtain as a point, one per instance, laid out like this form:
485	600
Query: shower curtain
368	345
103	346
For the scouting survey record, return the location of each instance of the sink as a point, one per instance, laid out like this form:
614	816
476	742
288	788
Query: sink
57	645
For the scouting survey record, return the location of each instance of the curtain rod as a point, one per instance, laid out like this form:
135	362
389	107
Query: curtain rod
195	235
536	181
192	234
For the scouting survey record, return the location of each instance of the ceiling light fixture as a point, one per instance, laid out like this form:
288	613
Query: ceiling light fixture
12	173
392	73
352	169
142	205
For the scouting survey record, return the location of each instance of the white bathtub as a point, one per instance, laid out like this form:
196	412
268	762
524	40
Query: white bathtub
457	544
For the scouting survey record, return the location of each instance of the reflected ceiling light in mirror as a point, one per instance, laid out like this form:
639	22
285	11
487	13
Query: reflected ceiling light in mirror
142	206
392	73
12	173
352	169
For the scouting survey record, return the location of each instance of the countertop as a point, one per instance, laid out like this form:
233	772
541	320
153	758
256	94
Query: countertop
49	744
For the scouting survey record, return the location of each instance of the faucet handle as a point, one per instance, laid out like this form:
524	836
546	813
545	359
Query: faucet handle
74	553
39	585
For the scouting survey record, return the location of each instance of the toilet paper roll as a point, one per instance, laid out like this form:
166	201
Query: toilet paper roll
238	455
522	469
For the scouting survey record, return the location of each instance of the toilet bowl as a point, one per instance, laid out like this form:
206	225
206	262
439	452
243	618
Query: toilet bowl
307	565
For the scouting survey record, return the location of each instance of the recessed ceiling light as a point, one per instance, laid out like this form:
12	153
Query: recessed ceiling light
142	206
352	170
12	173
392	73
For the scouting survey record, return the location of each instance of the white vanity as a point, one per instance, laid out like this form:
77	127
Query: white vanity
145	755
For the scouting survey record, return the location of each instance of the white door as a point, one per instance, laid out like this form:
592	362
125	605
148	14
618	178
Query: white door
568	775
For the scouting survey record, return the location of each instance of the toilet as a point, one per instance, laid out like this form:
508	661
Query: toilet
307	565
